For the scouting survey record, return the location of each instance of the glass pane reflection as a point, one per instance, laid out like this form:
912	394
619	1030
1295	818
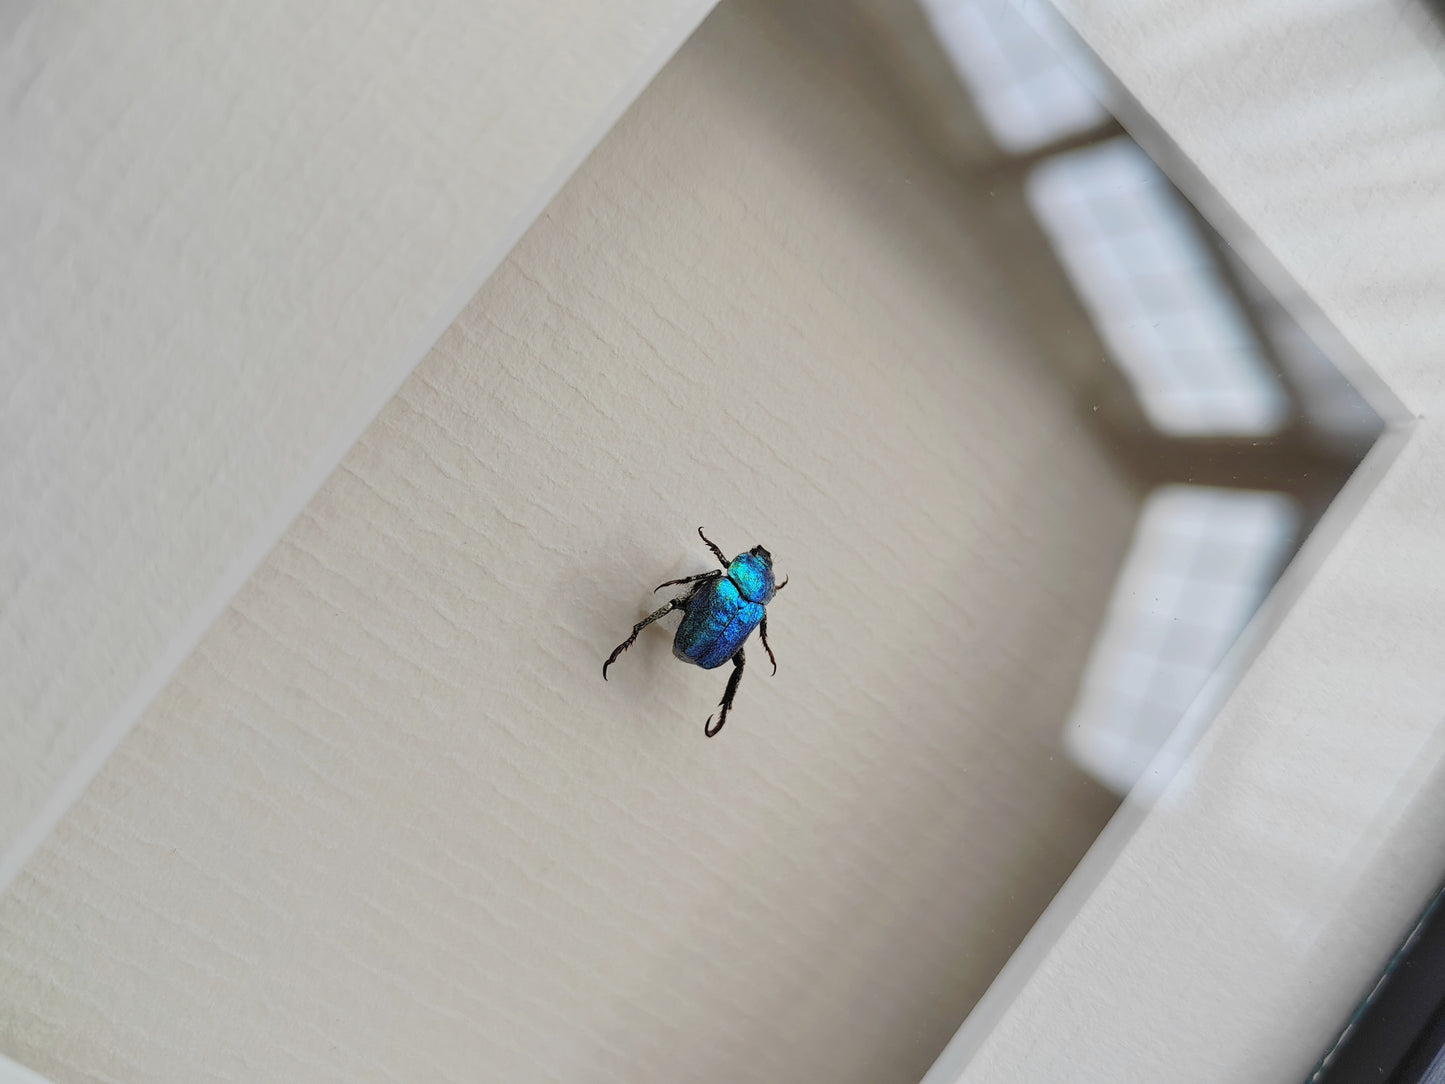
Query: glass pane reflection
1231	421
1140	264
1025	91
1201	562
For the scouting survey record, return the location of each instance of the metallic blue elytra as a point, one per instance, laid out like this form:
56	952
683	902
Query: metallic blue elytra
718	620
721	610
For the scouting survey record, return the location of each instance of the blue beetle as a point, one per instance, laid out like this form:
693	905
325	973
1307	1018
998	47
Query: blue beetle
721	610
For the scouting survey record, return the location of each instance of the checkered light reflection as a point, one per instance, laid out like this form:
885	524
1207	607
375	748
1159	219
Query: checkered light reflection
1201	562
1141	266
1022	82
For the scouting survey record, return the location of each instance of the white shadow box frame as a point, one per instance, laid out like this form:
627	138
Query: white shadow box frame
1241	902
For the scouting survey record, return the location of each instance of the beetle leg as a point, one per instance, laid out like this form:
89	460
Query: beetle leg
763	630
715	551
649	619
688	579
778	587
727	701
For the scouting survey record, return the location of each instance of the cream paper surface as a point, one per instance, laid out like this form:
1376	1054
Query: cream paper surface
227	232
388	822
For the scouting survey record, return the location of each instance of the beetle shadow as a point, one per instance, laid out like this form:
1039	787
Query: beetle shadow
609	593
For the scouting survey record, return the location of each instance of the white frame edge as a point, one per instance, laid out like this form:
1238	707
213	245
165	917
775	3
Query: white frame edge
12	1072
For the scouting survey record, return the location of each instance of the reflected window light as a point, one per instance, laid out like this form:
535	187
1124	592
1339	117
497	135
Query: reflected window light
1020	80
1142	268
1201	562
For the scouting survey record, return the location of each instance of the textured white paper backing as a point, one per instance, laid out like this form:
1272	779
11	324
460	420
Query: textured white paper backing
388	822
227	231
